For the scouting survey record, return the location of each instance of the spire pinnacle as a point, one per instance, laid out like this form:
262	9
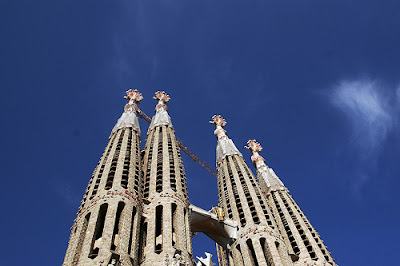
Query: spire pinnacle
263	171
254	147
161	117
225	145
134	97
129	118
161	96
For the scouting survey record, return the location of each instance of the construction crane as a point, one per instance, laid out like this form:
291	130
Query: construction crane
184	148
222	258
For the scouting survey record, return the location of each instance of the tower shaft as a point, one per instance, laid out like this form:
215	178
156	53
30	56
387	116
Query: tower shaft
301	238
258	241
166	230
106	229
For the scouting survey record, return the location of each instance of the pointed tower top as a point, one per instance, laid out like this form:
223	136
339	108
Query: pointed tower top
263	171
218	120
225	145
161	96
253	146
134	96
161	117
129	118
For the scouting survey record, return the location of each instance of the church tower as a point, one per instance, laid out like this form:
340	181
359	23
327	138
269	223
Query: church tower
166	235
300	237
106	230
258	241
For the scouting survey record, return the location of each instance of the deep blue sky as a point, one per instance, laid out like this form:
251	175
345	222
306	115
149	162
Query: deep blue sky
317	83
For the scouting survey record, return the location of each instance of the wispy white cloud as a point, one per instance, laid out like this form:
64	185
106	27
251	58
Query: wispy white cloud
370	109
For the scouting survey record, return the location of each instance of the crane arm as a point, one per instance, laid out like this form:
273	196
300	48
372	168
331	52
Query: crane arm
183	147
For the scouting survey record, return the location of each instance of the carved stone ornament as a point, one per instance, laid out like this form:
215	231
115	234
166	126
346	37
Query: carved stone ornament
129	118
161	117
225	145
263	171
218	120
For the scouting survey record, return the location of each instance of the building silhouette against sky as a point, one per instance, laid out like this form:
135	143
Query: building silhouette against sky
136	209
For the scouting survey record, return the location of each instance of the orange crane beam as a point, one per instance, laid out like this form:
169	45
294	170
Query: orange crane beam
184	148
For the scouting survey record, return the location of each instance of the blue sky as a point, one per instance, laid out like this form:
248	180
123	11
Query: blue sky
317	83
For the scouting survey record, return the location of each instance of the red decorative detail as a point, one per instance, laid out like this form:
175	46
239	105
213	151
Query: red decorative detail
161	96
218	120
133	95
253	146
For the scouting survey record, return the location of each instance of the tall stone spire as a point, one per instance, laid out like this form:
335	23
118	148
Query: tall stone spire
166	235
258	241
267	178
225	145
106	229
129	118
161	117
303	241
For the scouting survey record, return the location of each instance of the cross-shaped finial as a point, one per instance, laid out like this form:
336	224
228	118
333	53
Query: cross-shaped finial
218	120
253	146
133	95
161	96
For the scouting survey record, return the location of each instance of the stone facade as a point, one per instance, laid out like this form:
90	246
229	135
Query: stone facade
304	243
136	210
258	241
108	221
167	236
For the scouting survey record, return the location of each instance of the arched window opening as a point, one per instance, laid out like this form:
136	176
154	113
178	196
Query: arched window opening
132	231
117	226
98	232
81	239
159	236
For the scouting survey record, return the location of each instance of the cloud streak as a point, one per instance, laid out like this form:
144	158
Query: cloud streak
369	109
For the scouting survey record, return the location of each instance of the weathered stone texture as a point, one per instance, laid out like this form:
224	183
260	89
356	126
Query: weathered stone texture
107	225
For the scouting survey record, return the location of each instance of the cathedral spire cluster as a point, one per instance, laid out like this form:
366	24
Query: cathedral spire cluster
136	209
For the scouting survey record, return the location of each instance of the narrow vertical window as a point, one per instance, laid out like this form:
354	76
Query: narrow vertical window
80	240
159	174
148	170
98	232
252	252
159	236
174	223
113	168
142	239
127	160
266	252
103	164
132	231
117	226
172	177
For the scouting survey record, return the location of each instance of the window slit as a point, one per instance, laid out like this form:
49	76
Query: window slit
117	226
253	253
127	161
80	240
113	168
159	174
142	239
132	231
98	232
174	223
98	179
159	236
